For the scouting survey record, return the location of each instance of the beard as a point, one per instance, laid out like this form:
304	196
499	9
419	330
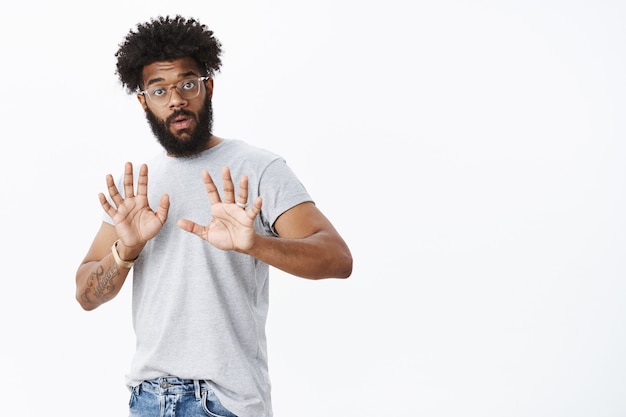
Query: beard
198	138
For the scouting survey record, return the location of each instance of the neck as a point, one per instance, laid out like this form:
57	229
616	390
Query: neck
214	141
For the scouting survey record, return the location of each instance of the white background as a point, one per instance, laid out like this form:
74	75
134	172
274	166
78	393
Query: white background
470	152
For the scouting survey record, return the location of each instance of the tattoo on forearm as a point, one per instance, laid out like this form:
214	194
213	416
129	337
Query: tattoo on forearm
100	283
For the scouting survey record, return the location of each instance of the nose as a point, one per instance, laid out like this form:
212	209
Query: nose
176	100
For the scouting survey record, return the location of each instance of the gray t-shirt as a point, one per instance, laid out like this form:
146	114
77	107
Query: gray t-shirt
200	312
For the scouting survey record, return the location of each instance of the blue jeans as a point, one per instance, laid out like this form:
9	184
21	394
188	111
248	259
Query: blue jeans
174	397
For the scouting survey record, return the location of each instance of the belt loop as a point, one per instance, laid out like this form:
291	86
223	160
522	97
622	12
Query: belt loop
196	385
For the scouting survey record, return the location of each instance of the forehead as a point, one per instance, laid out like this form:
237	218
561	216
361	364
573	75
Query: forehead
169	70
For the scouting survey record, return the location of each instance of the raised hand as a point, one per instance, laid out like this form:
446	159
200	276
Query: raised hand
232	226
135	222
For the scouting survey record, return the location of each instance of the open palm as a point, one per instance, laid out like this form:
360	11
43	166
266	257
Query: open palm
135	222
232	226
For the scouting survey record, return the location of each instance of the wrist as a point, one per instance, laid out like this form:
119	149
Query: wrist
118	260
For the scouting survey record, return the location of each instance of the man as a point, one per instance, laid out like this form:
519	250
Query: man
200	242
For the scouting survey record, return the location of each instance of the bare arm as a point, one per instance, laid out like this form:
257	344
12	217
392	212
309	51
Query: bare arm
99	278
308	246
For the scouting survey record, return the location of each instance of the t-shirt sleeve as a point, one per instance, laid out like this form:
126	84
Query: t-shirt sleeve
281	190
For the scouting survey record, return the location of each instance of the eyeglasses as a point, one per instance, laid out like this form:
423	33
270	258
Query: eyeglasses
187	89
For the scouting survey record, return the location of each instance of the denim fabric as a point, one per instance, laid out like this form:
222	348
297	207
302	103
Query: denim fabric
174	397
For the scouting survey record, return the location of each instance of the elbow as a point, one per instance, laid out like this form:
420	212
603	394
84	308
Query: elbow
84	294
344	268
85	304
335	267
83	299
347	271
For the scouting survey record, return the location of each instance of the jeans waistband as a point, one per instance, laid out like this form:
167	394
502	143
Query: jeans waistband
172	385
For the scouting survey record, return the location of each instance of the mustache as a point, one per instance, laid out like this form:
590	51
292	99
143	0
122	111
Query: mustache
178	113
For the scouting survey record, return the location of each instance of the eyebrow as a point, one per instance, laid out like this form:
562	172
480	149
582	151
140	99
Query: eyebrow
181	75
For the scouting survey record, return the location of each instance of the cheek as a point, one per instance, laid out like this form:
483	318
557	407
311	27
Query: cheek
160	115
196	108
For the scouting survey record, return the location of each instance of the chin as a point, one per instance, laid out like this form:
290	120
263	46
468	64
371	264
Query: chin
182	135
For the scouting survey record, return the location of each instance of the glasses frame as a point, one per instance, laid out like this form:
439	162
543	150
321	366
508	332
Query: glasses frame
169	91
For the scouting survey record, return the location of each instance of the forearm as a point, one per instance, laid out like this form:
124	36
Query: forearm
314	257
99	281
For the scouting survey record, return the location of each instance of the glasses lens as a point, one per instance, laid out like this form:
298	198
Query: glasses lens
158	94
187	89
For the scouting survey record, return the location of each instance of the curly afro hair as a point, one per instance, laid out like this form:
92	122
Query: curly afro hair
164	39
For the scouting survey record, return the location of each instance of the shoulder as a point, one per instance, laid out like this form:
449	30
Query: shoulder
244	148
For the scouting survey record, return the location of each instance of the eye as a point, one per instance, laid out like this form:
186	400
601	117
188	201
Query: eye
188	85
157	91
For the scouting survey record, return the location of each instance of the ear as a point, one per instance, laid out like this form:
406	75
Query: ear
142	100
209	86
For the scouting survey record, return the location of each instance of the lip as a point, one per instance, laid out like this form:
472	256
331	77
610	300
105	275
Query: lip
181	123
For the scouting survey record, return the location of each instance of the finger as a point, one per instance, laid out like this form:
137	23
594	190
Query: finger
229	187
108	208
113	192
164	207
242	193
256	208
142	181
129	190
193	227
211	189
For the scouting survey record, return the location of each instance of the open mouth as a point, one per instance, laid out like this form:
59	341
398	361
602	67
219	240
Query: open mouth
180	122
